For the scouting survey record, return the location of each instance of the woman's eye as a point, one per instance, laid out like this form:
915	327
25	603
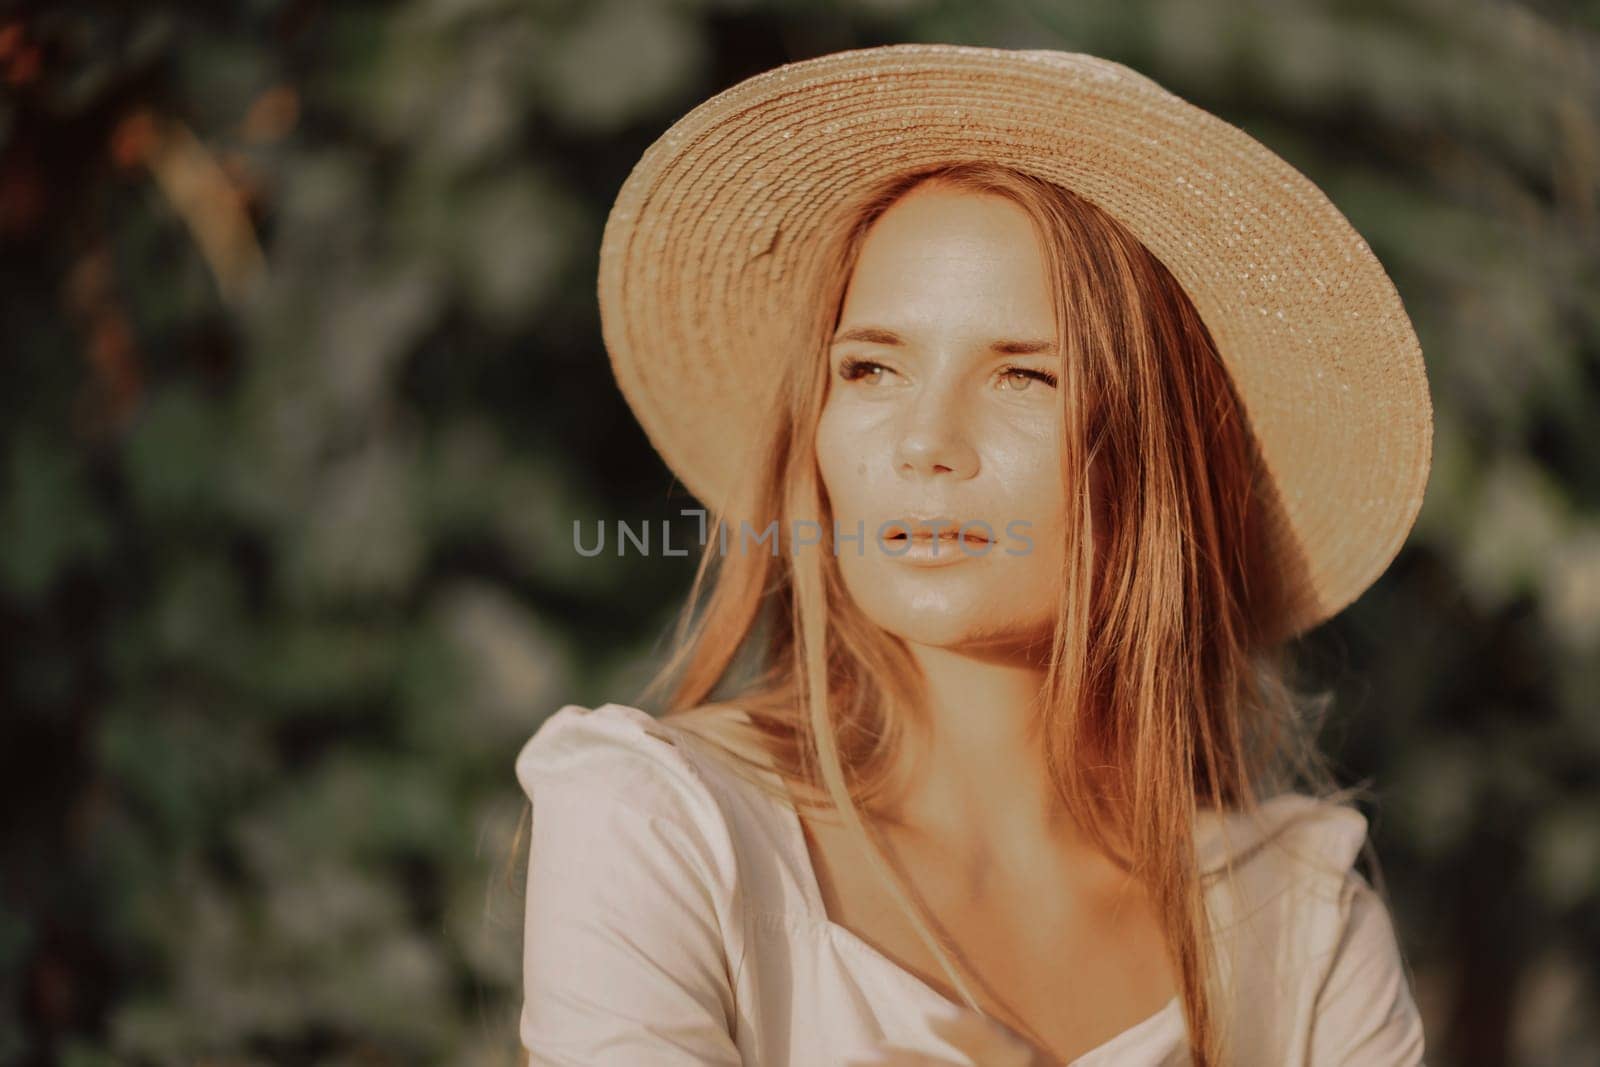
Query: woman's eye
1020	378
851	369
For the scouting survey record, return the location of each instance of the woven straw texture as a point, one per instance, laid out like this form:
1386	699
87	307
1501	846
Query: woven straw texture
708	243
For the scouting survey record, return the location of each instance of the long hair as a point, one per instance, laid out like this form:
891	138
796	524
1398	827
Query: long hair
1166	689
1168	682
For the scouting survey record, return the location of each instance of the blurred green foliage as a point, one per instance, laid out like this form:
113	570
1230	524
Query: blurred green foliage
304	389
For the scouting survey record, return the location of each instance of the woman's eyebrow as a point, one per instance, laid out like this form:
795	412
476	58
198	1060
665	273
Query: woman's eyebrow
870	334
878	336
1023	348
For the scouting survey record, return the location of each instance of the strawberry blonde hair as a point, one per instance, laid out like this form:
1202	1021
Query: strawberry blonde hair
1167	682
1167	685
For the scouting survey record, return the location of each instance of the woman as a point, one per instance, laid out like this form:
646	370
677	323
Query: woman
1038	410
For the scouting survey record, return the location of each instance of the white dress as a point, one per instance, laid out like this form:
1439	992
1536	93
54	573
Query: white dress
673	917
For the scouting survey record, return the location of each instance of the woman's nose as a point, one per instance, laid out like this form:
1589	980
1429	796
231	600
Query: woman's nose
932	441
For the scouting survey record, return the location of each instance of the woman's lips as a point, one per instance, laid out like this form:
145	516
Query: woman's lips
949	536
927	530
934	543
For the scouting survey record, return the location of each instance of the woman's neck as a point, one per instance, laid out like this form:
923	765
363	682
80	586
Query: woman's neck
977	782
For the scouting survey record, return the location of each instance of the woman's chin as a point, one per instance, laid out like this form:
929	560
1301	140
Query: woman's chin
949	607
951	626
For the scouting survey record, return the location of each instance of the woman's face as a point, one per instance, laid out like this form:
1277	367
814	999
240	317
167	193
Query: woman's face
942	402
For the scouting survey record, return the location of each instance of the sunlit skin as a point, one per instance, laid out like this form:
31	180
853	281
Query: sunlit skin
943	401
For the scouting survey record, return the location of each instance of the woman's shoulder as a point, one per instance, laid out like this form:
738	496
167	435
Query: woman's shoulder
1297	921
632	892
1288	865
615	763
1318	838
613	749
621	782
660	767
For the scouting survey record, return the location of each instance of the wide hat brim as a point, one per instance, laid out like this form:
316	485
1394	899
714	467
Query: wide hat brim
711	238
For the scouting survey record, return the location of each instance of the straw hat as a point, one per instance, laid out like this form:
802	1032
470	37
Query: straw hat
712	235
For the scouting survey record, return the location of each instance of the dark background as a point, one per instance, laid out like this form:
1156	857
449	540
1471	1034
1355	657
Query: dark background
303	390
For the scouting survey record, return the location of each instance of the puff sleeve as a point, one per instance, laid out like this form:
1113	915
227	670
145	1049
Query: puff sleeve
624	960
1365	1012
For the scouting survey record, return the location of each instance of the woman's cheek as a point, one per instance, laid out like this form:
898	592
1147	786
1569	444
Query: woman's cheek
845	451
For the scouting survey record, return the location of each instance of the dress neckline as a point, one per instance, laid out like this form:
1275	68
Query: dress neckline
811	888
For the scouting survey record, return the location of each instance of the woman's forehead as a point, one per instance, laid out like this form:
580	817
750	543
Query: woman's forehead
952	262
